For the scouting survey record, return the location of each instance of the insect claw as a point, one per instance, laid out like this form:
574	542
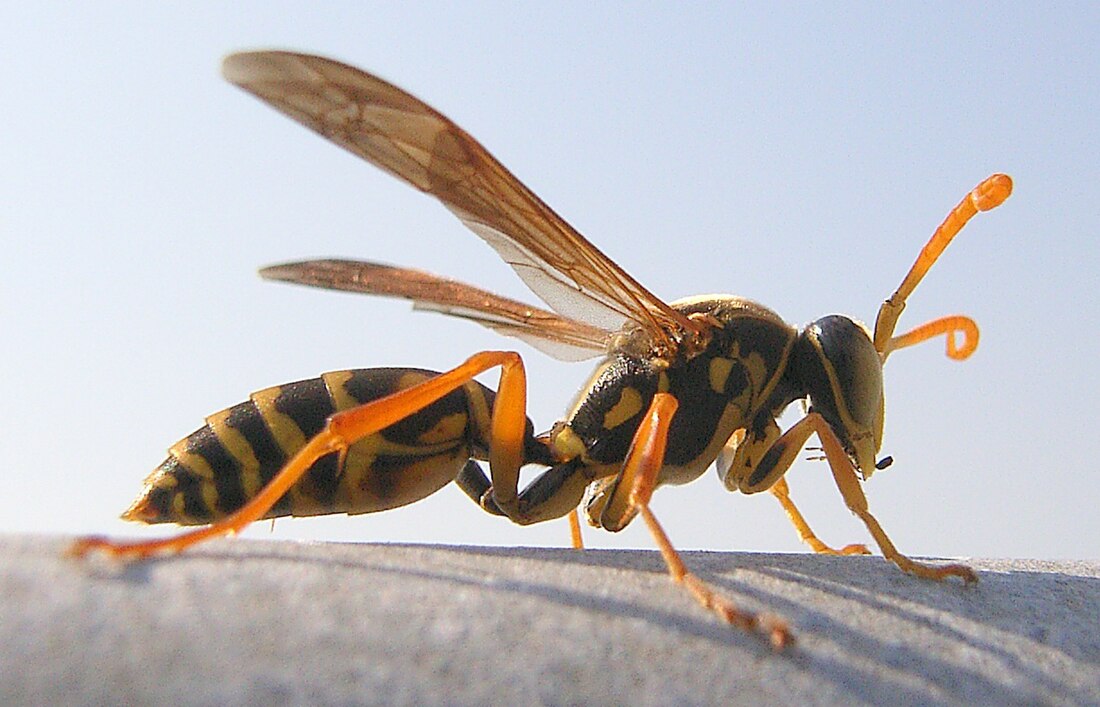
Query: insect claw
966	574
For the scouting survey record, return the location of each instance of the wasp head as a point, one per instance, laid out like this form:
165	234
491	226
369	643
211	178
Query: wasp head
841	372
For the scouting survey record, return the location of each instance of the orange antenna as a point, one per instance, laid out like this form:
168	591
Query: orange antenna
990	194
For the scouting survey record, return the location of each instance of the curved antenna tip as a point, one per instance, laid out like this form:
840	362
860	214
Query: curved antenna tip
992	192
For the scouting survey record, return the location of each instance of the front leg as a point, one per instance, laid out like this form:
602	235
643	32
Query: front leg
745	469
782	493
847	481
784	451
786	448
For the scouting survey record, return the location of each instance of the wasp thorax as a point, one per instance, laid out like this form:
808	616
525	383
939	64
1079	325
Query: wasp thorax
842	374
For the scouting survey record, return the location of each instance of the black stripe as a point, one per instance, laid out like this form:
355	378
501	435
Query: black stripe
370	384
158	498
366	384
250	423
307	403
322	481
194	507
380	480
227	474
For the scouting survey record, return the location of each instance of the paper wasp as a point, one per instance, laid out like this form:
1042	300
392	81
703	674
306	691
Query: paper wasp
680	385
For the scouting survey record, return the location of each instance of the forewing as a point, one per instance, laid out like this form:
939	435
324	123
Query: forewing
560	337
407	138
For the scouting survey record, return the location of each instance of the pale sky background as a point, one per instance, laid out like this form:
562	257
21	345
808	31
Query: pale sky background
796	155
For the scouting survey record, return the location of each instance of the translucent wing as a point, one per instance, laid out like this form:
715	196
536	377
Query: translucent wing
560	337
407	138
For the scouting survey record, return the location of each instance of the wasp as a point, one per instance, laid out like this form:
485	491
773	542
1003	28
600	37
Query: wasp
680	385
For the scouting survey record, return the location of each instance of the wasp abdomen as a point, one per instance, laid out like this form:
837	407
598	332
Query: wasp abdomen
219	467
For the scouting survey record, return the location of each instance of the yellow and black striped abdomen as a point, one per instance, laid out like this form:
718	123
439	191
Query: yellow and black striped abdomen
223	464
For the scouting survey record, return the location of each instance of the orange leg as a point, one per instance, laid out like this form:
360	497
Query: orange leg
640	472
781	491
575	530
345	428
848	482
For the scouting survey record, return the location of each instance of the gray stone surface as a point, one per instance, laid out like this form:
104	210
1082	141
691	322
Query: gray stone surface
255	622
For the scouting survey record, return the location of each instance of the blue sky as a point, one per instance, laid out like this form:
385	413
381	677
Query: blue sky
795	155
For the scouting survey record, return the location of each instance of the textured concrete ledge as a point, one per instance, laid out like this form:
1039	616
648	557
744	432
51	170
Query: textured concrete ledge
255	622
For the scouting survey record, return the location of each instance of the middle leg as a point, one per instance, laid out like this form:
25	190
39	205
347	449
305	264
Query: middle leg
782	492
639	479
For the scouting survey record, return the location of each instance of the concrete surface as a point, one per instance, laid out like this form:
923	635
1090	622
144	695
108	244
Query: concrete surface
260	622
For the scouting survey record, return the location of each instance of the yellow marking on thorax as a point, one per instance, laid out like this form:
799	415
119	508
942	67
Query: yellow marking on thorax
629	405
758	370
761	380
719	373
240	449
566	443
